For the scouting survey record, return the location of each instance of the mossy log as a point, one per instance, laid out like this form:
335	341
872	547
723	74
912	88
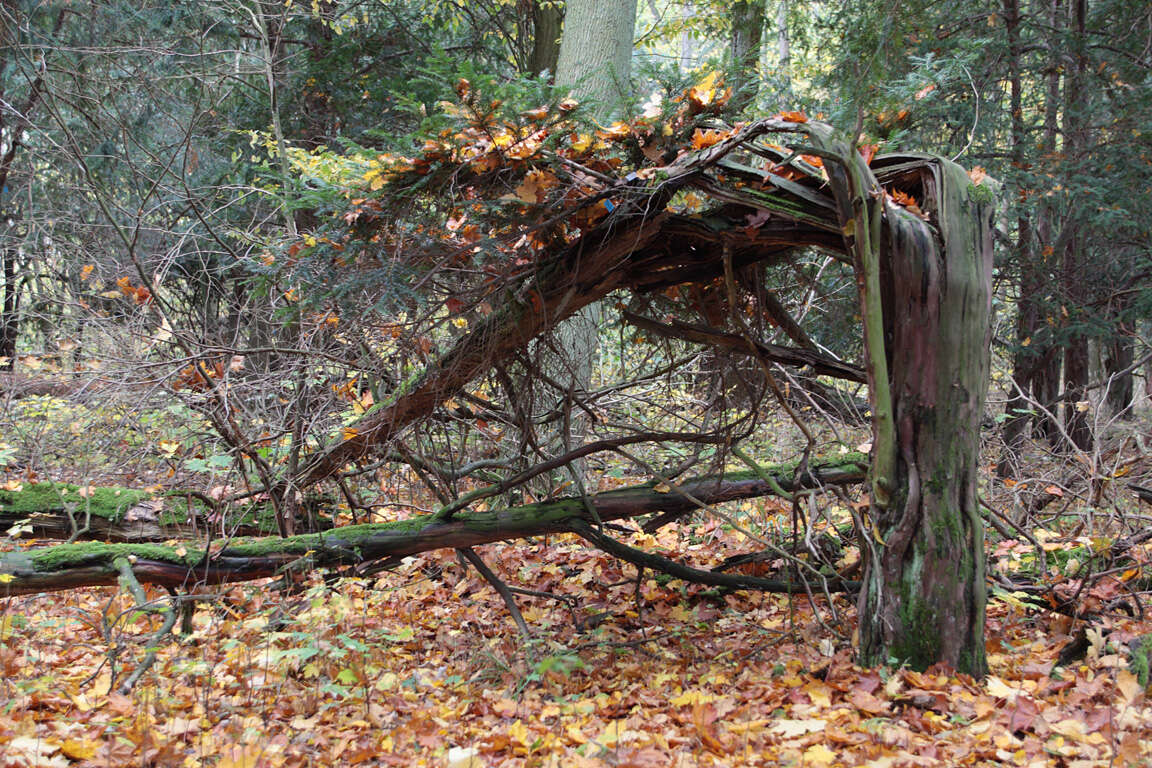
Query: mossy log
59	510
67	566
110	513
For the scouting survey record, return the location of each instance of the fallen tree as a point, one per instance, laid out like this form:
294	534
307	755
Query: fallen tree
511	225
185	565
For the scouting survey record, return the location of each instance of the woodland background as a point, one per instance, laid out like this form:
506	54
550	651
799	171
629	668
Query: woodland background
195	200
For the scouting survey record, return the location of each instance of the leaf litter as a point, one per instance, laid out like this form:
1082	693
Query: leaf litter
422	666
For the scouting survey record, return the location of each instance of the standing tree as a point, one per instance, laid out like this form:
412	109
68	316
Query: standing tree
594	65
747	31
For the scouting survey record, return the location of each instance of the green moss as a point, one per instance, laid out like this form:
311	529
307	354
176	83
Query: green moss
109	503
981	194
98	553
1140	659
919	644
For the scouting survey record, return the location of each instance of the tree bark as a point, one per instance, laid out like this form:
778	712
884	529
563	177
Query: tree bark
595	59
1046	378
1024	357
68	566
923	598
1074	267
744	51
10	313
1118	362
547	24
594	63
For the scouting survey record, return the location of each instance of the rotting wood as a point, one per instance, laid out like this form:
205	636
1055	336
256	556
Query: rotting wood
67	566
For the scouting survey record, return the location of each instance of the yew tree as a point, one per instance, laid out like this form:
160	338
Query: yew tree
507	222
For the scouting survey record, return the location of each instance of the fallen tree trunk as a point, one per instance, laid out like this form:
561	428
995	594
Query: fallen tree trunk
67	566
110	513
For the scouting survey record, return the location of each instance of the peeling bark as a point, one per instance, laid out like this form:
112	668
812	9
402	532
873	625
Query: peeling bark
924	595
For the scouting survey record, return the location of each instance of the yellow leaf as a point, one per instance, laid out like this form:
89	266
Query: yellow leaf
77	749
820	694
1128	686
518	732
350	433
582	143
1001	690
818	754
662	487
236	756
6	578
463	757
1069	729
692	698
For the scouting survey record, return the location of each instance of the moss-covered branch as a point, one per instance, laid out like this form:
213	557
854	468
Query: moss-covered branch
93	563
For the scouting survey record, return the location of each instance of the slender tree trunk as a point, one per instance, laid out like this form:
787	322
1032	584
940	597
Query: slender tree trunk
594	62
1046	377
547	23
1118	359
744	51
783	45
10	318
1024	362
1074	269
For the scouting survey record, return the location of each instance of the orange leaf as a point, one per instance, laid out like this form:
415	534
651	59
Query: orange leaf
903	198
702	139
793	117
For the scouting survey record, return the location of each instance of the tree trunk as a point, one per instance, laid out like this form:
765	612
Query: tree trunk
1024	358
924	595
783	46
595	59
594	62
10	315
1118	360
1074	268
1046	377
744	51
547	23
93	563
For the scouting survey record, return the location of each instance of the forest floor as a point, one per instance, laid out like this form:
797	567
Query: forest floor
423	666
